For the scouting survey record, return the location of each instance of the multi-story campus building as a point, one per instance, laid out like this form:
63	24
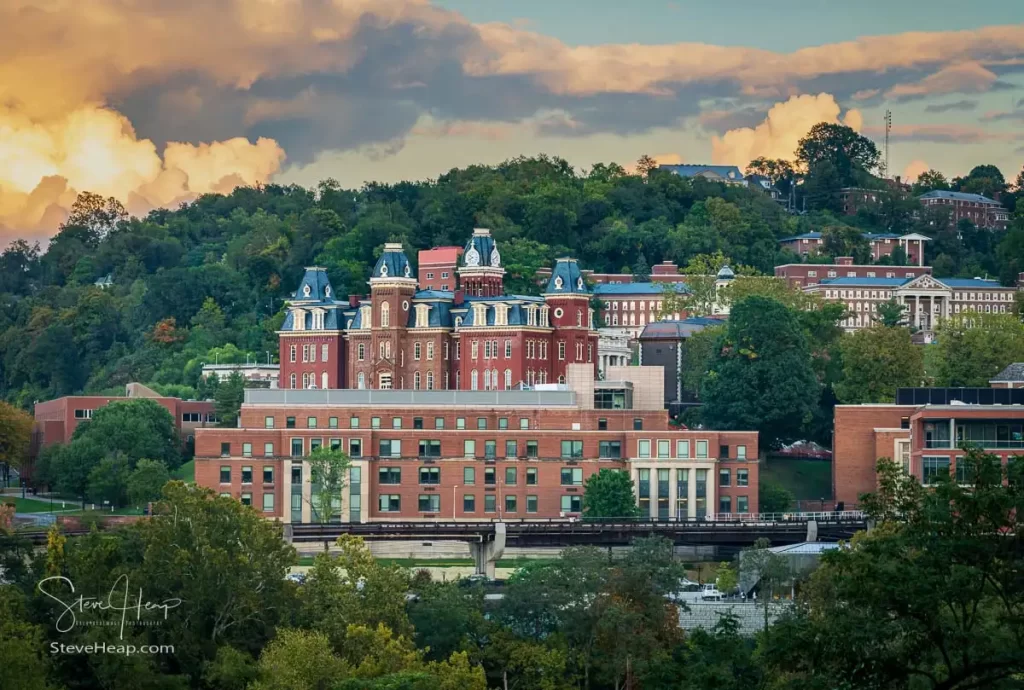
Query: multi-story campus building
927	300
472	336
479	455
980	210
802	275
925	430
56	420
881	244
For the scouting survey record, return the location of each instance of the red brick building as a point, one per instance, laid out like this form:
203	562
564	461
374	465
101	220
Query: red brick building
980	210
802	275
479	455
403	337
881	244
56	420
925	432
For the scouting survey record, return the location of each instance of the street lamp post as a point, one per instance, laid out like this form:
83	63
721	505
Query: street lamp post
453	500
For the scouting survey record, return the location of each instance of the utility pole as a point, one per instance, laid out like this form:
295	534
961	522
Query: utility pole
888	128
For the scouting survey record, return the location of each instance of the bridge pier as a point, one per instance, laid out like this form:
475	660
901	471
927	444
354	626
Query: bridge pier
812	530
486	553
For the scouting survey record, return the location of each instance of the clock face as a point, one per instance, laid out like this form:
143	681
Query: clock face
472	257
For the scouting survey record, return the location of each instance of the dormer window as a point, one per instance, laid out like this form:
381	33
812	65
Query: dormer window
305	290
458	321
579	283
558	282
501	314
479	314
422	315
365	317
299	320
383	270
327	291
544	322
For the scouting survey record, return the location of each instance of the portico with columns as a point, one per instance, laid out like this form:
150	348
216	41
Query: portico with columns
926	300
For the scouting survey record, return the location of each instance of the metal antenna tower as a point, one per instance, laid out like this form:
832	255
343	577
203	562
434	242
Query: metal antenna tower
888	127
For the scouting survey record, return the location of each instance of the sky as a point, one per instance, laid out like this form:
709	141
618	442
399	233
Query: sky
157	101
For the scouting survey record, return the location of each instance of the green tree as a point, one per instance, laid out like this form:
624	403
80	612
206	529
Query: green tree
298	660
843	240
849	152
228	399
761	376
146	481
354	589
609	494
877	361
108	481
779	171
447	618
641	269
328	472
696	356
891	314
773	497
23	656
15	438
929	180
138	428
726	577
955	628
974	347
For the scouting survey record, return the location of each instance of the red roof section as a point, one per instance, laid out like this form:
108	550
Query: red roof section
439	255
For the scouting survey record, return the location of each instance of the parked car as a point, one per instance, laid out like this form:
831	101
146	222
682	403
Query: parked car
688	591
297	578
710	592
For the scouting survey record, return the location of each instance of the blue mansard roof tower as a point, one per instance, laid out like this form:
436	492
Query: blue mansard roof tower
480	271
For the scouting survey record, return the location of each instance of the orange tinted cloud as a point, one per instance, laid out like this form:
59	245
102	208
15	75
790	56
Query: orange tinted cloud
779	134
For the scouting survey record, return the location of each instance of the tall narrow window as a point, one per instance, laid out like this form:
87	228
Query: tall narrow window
385	315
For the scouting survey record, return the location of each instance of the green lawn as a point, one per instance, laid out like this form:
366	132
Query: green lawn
186	473
806	479
31	505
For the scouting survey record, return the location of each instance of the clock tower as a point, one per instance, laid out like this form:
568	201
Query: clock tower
481	273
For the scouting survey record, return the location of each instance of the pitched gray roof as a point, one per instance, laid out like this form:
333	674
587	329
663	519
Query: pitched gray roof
1014	372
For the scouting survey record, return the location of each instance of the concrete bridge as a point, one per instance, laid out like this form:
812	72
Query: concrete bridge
487	540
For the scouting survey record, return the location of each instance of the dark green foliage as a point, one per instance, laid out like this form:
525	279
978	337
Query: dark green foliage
609	494
761	376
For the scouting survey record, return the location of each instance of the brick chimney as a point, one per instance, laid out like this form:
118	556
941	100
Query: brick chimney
844	261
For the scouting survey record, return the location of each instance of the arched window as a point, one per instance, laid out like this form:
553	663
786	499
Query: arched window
473	380
323	380
385	315
305	380
430	380
508	379
579	317
291	381
416	381
361	381
561	379
494	379
487	379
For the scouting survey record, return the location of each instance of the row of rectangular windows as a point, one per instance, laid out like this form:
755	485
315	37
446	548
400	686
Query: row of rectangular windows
431	503
683	481
309	353
431	448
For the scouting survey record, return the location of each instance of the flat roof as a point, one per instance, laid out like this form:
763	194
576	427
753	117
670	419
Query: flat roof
411	398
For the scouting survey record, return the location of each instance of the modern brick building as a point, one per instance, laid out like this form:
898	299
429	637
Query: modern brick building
925	431
665	272
479	455
56	420
980	210
474	337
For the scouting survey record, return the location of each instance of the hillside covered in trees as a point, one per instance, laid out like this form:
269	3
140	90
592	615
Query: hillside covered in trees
207	281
